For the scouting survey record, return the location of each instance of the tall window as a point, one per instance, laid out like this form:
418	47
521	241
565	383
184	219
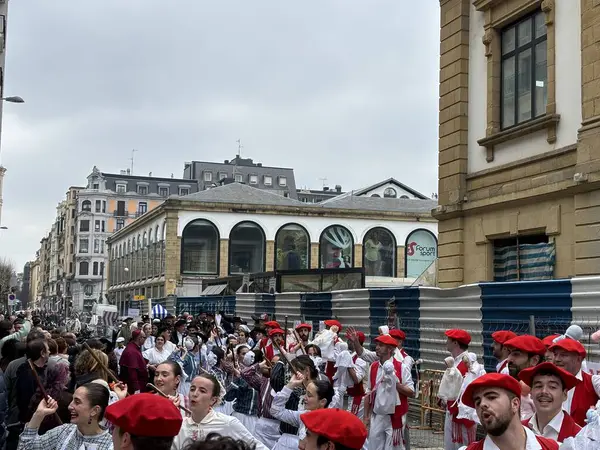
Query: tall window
98	205
379	253
84	245
142	190
336	248
97	226
120	212
246	248
96	245
121	188
86	205
200	248
120	224
524	70
84	226
95	268
84	268
163	191
292	248
142	207
207	176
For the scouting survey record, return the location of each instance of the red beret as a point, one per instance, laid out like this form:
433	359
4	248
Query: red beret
502	336
387	340
336	425
334	323
275	331
272	324
549	340
527	344
361	337
459	335
145	415
304	325
398	334
491	380
527	375
569	345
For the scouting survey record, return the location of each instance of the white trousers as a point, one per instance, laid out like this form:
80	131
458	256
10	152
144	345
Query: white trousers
287	442
248	421
448	428
267	431
361	408
380	433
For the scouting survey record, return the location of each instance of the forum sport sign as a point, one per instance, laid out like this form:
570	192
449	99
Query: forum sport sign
421	251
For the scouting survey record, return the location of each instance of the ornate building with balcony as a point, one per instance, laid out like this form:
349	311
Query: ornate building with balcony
106	204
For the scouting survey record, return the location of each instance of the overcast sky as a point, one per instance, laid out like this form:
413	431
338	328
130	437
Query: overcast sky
338	89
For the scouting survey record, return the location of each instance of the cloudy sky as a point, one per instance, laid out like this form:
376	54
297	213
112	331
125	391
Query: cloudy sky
338	89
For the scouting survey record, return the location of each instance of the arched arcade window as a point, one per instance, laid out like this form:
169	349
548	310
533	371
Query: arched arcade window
379	253
420	252
246	248
292	248
336	248
200	248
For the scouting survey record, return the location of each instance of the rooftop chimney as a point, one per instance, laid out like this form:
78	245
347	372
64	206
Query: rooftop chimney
128	171
325	188
338	188
226	161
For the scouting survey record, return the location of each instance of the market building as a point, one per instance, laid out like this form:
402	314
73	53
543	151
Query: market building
238	229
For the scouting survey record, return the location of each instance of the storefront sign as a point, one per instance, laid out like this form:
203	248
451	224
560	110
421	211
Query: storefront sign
421	251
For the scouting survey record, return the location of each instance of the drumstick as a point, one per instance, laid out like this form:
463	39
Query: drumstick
299	342
109	372
162	394
284	356
42	390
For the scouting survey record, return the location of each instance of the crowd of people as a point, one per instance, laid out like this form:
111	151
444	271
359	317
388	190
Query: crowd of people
213	382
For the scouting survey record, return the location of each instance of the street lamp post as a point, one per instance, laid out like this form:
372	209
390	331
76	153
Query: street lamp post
14	99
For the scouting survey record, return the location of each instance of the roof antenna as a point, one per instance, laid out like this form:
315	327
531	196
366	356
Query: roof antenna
240	147
323	180
132	158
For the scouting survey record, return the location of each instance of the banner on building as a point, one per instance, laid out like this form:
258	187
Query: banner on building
421	252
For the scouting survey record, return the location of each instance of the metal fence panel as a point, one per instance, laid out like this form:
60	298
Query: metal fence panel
509	306
315	307
288	304
351	308
245	305
397	308
444	309
214	304
585	311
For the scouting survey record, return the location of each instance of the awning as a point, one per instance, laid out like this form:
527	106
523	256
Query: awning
215	289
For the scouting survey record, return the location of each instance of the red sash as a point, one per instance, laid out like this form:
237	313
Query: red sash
546	444
584	397
457	436
503	365
401	409
568	427
357	392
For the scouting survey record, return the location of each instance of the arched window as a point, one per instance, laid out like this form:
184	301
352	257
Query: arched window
86	205
379	253
376	195
292	248
336	248
145	240
200	248
420	252
404	196
156	236
84	268
390	193
246	248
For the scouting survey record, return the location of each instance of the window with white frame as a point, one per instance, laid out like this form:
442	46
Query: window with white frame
163	191
253	179
207	176
268	180
222	175
84	245
96	245
239	178
121	188
142	189
282	181
184	191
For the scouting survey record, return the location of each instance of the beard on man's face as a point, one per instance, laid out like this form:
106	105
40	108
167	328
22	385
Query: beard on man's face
513	370
498	425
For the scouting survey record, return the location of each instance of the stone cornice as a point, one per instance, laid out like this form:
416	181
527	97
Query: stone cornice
484	5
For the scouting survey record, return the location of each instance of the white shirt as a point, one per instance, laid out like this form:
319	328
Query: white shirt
527	407
504	369
551	430
532	442
214	422
154	356
595	383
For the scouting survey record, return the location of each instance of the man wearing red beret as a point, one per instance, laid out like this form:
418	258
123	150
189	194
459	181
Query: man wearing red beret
458	432
144	421
266	341
496	398
303	332
332	426
386	403
549	386
275	335
548	342
328	340
499	351
569	355
525	351
133	369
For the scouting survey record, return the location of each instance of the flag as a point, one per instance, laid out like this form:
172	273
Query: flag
109	318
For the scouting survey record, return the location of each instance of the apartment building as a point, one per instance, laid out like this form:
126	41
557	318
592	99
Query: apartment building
519	154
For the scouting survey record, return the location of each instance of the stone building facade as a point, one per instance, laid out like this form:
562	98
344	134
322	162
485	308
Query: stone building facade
519	154
237	229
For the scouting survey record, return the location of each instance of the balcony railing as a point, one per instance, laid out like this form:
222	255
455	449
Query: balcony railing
116	213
